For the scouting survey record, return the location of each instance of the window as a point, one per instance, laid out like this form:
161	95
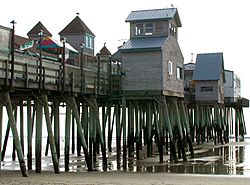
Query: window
170	67
149	28
172	29
89	41
139	29
207	89
179	73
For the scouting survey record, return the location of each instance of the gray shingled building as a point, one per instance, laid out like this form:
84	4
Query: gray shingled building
152	61
209	78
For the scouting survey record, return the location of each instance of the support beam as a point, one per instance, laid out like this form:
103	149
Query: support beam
1	127
56	113
29	133
124	114
38	143
50	135
18	147
71	101
67	137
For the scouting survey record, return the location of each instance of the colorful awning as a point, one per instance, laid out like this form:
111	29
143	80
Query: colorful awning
51	45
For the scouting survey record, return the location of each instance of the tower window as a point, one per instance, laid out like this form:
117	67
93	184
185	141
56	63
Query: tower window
139	29
149	28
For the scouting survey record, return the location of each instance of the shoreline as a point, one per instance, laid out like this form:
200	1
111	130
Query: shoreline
118	177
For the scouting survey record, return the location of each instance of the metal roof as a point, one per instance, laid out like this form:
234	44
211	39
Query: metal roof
155	14
144	43
208	66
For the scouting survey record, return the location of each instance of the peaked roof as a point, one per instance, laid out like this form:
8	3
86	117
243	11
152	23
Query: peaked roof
76	26
104	51
37	28
154	14
144	43
209	66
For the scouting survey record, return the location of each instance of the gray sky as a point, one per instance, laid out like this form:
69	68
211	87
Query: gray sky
207	25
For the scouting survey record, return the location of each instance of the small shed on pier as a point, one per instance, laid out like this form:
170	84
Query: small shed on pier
209	77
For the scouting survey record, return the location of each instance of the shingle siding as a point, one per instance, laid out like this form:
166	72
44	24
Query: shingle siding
143	71
171	52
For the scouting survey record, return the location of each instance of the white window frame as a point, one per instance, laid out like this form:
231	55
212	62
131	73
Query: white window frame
89	41
170	67
178	72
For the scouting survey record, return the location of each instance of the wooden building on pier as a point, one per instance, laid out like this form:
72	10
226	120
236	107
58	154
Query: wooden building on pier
152	60
209	78
79	36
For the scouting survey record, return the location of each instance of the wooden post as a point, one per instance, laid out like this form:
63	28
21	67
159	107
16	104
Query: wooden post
185	120
29	133
118	135
1	127
86	122
14	147
130	128
47	144
159	130
67	137
5	141
124	113
149	129
137	130
169	126
110	127
56	105
100	134
196	121
80	131
38	147
50	135
7	137
18	147
21	126
73	135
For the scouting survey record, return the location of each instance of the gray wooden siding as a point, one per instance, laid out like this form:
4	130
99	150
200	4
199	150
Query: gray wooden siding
171	52
76	41
206	96
143	71
217	95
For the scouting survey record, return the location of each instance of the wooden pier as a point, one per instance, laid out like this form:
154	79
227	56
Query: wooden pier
100	105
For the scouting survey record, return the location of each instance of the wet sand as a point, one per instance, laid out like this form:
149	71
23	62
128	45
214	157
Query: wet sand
119	178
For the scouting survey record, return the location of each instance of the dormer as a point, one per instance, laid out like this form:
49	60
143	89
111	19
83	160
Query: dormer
156	22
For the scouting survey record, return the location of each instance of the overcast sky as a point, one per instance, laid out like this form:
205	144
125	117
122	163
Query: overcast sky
207	25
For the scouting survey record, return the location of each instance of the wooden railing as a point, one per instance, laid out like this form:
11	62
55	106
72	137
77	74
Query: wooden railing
30	74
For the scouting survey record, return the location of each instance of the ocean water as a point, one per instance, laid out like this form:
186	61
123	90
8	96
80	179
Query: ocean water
229	159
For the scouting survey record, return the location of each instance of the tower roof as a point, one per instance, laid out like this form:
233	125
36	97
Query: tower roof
154	14
104	51
76	26
36	29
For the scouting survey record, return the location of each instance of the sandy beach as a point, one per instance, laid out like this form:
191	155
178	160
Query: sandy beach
119	178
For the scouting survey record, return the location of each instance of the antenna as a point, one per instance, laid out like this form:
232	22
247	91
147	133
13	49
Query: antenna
192	57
